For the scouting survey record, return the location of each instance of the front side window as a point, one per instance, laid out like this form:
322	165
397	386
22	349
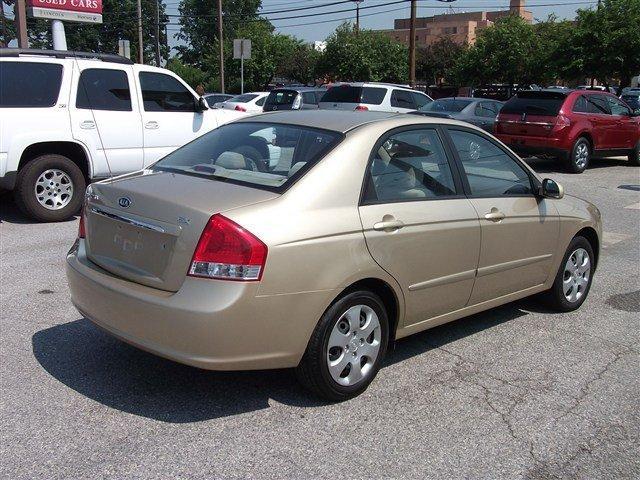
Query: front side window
409	165
258	154
490	171
618	107
402	99
29	84
104	89
163	93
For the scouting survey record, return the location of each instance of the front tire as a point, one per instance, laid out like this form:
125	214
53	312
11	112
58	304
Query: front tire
634	156
580	156
50	188
346	348
574	277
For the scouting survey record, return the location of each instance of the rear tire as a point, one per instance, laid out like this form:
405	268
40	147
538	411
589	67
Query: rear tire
634	156
580	156
574	277
352	331
50	188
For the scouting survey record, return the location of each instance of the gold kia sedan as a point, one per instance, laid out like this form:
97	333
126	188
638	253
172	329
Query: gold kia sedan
314	239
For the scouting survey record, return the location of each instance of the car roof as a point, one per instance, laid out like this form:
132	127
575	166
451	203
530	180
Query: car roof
342	120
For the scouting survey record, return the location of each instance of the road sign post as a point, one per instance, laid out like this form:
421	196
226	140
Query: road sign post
242	50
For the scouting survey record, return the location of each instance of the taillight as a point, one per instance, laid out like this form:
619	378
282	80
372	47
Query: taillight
562	121
240	108
81	232
362	108
228	251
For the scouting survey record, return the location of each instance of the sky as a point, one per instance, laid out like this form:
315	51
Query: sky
380	16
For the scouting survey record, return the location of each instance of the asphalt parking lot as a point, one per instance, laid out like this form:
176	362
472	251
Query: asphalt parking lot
515	392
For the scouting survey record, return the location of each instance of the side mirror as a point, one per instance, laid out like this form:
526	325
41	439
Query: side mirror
551	189
201	105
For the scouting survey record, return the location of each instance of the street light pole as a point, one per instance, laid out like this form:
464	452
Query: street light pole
412	45
220	41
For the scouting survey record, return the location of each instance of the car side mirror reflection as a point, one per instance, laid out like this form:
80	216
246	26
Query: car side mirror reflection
551	189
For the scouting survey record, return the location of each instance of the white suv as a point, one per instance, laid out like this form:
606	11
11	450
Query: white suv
384	97
70	118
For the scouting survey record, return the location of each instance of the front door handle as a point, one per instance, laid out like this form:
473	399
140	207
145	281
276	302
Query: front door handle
388	225
494	215
88	125
152	125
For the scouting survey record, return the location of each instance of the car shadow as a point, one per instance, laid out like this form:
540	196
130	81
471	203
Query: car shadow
10	213
106	370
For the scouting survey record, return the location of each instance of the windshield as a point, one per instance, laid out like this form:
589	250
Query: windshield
446	105
259	154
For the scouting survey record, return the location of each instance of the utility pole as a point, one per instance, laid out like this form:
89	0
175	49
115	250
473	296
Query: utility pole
20	13
412	45
220	41
157	33
140	45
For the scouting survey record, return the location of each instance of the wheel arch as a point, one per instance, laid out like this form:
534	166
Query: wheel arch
72	150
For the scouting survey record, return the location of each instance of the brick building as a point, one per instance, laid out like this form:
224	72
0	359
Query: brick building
460	27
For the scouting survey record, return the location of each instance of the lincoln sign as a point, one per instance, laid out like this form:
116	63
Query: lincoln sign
87	11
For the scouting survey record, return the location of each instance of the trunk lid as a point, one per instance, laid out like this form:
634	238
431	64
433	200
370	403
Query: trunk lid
144	227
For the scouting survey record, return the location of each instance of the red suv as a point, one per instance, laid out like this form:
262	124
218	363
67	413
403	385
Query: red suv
572	126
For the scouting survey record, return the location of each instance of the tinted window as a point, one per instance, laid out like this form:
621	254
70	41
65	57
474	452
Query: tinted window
281	97
309	98
617	107
581	105
409	165
104	89
447	105
25	84
163	93
420	100
259	154
598	104
489	170
534	103
402	99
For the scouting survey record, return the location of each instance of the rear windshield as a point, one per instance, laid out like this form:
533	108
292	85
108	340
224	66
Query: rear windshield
446	105
265	155
29	84
535	103
281	97
351	94
244	98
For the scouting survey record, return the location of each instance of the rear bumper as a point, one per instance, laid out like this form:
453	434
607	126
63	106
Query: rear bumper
535	145
210	324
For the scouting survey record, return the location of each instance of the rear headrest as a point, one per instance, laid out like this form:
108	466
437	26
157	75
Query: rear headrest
231	160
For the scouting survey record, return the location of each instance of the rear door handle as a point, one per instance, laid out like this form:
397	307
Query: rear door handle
152	125
388	225
88	125
494	215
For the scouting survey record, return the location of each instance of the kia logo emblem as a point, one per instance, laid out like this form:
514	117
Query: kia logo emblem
124	202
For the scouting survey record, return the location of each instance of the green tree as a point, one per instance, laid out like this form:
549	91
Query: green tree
366	56
437	60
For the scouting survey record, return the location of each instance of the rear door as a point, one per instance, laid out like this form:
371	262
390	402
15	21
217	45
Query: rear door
169	115
519	230
627	130
418	224
102	108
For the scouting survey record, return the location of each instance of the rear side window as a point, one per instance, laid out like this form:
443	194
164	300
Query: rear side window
29	84
534	104
402	99
104	89
163	93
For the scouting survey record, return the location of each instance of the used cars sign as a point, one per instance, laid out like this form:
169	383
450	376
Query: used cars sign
89	11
